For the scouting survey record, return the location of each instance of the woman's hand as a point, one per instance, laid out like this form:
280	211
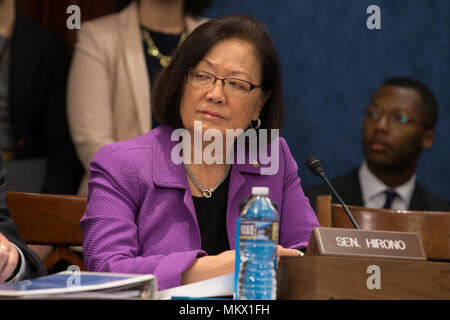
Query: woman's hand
213	266
209	267
287	252
9	257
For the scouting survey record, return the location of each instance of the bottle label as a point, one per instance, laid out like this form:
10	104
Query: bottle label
262	230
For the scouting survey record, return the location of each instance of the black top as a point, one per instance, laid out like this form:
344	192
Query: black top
166	44
211	217
37	104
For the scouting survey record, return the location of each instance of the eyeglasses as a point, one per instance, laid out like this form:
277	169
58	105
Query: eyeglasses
394	117
232	85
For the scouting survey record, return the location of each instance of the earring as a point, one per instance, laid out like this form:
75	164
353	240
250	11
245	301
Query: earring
258	124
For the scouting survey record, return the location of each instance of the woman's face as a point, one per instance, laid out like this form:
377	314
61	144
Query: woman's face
218	106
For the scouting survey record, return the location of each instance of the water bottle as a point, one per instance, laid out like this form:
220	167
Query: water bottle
256	248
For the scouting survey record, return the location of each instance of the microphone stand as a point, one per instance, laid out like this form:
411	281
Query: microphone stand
355	224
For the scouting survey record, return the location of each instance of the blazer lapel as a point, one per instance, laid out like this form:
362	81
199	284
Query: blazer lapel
135	62
238	177
350	190
418	200
167	174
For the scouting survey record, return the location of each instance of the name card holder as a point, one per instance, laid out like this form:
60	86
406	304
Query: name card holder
366	243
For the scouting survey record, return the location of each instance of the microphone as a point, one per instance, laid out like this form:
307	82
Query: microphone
315	167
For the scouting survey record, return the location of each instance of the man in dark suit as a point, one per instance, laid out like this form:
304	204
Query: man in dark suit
34	136
17	261
399	123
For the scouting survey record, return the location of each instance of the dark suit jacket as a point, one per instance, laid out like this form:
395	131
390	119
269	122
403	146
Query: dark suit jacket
38	72
8	228
349	189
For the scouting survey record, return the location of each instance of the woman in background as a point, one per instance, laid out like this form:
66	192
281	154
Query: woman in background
115	62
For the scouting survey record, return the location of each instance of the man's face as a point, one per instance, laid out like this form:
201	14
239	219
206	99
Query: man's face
393	133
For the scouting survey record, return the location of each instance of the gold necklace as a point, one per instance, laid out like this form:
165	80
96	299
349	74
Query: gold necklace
153	50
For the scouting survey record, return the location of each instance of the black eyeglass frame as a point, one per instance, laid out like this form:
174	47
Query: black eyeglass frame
252	86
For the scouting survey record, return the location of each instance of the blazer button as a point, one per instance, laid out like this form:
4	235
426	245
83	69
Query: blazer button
255	164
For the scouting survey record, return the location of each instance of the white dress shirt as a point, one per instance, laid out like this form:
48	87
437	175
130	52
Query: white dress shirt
373	189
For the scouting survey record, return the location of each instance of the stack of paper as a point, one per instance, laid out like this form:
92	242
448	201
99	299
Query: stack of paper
82	285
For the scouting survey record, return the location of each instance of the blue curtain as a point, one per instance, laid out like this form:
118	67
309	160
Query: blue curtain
332	63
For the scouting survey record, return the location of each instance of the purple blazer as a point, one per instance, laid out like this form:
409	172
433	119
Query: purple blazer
140	216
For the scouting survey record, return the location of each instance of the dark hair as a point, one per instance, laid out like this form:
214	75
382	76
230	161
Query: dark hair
169	85
429	108
191	7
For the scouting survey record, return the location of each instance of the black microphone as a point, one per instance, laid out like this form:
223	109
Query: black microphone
314	165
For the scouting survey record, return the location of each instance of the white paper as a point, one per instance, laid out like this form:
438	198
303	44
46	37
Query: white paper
214	287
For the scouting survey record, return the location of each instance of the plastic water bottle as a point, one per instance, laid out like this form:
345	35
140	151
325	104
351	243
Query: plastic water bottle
256	248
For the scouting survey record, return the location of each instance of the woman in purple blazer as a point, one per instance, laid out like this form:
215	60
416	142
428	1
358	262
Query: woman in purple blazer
166	202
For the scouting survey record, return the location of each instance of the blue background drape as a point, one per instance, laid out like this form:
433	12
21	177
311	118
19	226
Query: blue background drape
332	63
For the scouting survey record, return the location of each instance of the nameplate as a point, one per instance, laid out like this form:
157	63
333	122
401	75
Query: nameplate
366	243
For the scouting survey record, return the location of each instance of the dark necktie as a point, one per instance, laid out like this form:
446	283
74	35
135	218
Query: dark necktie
390	196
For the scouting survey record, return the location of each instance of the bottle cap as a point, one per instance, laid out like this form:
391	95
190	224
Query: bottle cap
260	191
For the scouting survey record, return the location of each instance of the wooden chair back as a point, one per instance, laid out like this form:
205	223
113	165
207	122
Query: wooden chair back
433	227
50	219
